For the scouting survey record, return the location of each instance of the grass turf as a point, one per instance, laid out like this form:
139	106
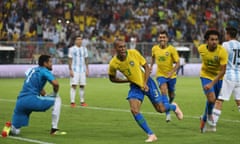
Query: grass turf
107	119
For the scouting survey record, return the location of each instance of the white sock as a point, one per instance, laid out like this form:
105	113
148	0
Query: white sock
81	94
239	108
56	112
72	95
216	115
15	131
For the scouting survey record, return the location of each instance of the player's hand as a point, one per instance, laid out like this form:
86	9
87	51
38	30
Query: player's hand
145	88
71	73
208	86
169	74
151	69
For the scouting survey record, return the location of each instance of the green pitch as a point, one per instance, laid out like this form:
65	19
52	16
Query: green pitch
107	119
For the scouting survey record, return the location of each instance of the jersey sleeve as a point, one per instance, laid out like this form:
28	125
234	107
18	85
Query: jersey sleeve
48	75
224	56
111	69
70	53
175	55
142	60
153	51
85	52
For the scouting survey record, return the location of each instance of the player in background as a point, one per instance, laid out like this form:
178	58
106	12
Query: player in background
214	60
136	70
78	67
167	60
231	80
33	97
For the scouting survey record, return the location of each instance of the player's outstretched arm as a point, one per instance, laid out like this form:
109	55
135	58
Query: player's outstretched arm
117	80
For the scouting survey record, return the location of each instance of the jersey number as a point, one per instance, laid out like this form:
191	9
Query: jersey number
29	75
236	56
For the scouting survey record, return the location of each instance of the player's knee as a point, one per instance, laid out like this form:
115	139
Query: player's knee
160	108
134	111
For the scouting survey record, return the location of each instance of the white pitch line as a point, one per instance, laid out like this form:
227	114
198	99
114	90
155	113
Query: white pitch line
28	140
124	110
102	109
150	113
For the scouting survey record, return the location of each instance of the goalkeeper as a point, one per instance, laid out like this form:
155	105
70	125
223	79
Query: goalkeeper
33	97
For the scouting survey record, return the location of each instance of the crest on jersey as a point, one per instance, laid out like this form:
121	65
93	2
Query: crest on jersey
131	63
216	58
167	53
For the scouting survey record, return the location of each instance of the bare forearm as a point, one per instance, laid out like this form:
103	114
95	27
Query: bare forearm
55	86
118	80
70	64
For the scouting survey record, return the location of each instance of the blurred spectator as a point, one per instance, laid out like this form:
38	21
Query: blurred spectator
103	21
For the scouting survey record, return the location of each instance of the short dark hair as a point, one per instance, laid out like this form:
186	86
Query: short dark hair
79	36
42	59
211	32
163	32
232	32
115	44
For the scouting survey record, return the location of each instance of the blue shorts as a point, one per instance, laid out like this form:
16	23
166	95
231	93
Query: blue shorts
153	94
216	88
170	82
26	105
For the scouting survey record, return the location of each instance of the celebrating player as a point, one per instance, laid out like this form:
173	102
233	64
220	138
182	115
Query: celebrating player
165	56
135	68
214	60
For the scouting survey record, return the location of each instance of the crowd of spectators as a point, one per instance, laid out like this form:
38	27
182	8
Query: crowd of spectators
102	21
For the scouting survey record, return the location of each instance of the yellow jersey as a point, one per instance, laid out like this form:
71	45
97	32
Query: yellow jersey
131	67
212	61
165	59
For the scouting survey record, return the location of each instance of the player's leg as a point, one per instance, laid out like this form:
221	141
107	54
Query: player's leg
210	97
21	115
171	94
135	98
210	104
160	102
56	116
81	89
217	110
225	94
135	109
74	81
162	82
171	89
236	93
43	103
56	112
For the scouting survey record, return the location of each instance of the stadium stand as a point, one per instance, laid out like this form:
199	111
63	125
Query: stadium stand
101	21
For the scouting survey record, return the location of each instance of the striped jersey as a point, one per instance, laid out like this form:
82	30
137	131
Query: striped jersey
78	55
233	65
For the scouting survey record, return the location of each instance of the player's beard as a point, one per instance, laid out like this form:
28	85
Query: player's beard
49	68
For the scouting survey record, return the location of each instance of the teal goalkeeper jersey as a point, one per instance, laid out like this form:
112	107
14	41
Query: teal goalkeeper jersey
35	80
